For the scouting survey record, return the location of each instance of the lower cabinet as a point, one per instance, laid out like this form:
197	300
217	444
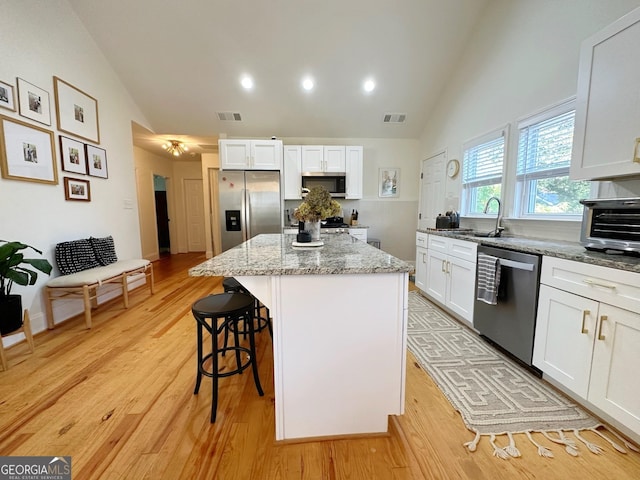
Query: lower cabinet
421	260
359	233
451	274
584	342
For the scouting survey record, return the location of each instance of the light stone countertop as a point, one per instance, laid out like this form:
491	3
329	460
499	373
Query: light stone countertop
553	248
273	254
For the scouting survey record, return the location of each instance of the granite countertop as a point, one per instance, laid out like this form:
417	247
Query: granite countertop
348	226
273	254
553	248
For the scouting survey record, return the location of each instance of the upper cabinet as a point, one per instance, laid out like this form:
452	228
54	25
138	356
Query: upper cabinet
607	128
322	158
354	167
250	154
292	172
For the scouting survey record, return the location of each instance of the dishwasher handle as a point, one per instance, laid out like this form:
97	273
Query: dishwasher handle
517	265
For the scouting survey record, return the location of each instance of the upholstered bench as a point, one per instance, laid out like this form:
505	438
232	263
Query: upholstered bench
86	265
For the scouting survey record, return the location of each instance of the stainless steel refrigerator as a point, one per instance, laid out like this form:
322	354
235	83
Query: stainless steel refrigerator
250	204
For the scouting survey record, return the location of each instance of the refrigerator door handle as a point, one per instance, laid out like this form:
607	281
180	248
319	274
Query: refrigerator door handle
246	207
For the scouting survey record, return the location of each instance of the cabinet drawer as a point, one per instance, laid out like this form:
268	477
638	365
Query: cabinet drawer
422	239
438	243
463	249
604	284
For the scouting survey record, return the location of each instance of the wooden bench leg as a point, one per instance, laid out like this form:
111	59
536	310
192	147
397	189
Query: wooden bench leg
87	305
3	357
125	290
26	328
49	308
151	280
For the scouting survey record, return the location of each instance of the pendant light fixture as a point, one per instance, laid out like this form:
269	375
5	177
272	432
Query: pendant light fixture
174	147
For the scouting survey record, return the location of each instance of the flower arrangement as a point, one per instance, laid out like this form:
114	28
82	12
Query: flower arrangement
317	206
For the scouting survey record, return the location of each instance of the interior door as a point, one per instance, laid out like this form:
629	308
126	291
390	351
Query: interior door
432	190
194	202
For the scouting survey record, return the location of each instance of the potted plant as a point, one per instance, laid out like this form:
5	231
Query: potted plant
317	206
14	268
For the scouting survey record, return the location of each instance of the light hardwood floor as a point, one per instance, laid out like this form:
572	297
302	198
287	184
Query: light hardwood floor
119	399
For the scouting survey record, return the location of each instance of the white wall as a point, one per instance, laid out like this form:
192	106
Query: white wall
40	40
522	57
391	220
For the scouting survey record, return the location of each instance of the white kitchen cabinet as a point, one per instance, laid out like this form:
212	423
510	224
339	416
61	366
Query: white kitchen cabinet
607	125
359	233
422	240
250	154
334	158
312	158
451	274
354	172
584	342
323	158
292	165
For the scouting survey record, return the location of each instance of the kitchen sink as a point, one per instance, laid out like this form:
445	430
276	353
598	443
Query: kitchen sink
487	234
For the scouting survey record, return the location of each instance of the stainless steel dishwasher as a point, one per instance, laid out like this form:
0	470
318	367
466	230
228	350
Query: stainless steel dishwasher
511	322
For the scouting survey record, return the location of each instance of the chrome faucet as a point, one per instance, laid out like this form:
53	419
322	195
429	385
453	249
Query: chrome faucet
498	230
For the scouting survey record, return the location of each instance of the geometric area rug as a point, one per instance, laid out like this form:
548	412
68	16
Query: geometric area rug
493	394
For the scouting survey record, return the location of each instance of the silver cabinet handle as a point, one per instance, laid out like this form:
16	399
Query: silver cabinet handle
443	266
602	319
584	317
448	266
591	281
424	258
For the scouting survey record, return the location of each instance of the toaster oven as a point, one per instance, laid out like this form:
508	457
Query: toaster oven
611	224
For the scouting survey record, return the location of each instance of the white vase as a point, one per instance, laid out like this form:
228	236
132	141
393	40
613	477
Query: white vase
314	230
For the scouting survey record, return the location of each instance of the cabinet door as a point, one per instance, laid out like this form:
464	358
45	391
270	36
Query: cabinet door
461	285
614	383
235	154
292	172
354	168
436	275
334	159
565	331
266	154
312	158
359	233
607	124
421	268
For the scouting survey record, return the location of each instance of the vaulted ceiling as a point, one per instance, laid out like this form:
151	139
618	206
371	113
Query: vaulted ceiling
182	62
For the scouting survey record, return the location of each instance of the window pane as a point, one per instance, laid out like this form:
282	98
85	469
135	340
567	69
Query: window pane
479	197
557	196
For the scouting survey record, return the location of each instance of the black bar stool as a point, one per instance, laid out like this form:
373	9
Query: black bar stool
231	308
230	284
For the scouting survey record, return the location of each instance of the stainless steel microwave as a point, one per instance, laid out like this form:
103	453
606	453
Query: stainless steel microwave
335	183
611	224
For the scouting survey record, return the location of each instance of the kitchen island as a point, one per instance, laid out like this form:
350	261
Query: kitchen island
339	330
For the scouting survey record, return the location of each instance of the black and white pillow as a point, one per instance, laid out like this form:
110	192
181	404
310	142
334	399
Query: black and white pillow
75	256
104	250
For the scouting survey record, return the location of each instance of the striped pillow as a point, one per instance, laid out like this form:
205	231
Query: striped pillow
75	256
104	250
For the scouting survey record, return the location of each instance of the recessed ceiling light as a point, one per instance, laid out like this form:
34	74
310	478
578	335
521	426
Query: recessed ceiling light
247	82
307	83
369	85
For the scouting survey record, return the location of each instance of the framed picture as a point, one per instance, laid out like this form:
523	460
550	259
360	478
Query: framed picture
76	112
97	161
77	189
389	182
27	152
72	156
33	102
7	98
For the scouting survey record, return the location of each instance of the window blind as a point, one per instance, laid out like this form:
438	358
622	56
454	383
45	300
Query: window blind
544	148
483	162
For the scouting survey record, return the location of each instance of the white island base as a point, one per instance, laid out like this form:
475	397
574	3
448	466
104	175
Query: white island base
339	350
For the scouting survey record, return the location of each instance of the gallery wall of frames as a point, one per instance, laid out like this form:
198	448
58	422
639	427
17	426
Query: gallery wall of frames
28	148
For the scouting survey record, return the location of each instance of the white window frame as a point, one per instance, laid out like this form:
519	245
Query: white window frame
469	186
522	186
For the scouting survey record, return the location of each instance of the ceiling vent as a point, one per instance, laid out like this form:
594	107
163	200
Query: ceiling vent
230	116
394	117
